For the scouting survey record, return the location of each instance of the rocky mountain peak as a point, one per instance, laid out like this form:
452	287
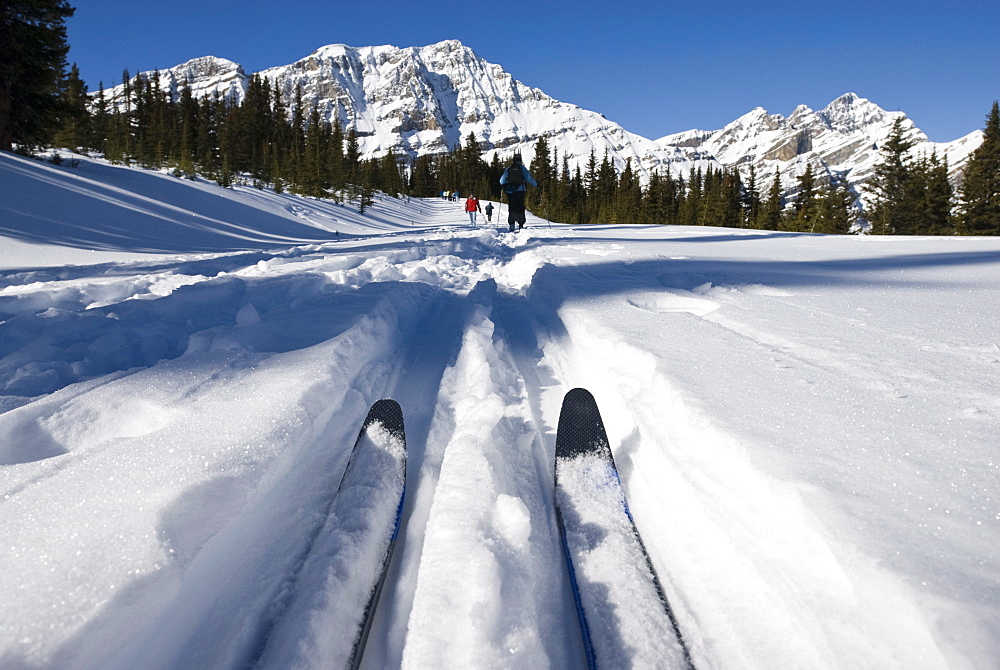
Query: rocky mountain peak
421	100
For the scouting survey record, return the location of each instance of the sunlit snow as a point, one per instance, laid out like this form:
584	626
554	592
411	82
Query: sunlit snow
805	427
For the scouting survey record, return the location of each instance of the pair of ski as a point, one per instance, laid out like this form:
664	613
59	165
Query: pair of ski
619	601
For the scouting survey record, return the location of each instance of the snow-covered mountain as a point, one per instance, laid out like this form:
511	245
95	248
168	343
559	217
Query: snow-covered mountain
842	138
422	100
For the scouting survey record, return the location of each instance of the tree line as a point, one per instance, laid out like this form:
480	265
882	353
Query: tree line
266	140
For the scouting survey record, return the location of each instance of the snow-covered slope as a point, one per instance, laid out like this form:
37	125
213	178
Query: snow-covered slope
805	427
428	99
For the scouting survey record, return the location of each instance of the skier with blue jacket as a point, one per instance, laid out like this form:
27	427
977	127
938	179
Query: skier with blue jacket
514	181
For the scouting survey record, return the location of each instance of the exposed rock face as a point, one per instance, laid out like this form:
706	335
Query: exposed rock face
423	100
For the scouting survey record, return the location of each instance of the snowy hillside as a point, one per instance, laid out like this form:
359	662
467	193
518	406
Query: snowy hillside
428	99
805	428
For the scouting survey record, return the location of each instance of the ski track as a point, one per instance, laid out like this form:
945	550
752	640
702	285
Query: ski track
234	511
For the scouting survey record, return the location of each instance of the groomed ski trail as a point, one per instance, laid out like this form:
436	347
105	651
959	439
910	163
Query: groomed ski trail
478	334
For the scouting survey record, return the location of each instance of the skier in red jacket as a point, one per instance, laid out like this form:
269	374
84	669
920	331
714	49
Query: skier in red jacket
472	206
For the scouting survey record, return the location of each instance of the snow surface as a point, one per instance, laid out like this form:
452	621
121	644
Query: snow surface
805	428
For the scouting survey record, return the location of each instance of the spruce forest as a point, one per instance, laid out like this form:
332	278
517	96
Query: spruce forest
265	141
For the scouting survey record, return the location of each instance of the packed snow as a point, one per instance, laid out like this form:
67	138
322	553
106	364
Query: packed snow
805	427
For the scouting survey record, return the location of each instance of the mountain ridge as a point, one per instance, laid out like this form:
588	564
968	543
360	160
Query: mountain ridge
426	100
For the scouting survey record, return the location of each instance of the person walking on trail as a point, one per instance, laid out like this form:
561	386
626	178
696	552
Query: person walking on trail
489	212
472	206
515	182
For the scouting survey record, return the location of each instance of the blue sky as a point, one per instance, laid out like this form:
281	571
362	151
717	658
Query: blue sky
654	67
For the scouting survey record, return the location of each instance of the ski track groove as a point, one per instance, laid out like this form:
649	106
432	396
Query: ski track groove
515	357
529	392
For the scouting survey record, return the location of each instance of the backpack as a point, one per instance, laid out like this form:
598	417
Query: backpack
515	178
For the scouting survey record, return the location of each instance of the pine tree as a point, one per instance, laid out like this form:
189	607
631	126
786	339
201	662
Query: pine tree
805	208
33	51
751	200
74	122
980	191
731	196
656	200
692	203
541	167
207	152
835	210
188	140
938	198
311	177
590	174
390	176
628	197
99	123
893	210
423	181
769	216
296	151
709	202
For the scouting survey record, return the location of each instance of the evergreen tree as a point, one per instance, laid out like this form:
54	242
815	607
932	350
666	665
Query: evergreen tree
352	156
835	210
751	201
731	196
605	186
312	174
423	181
979	209
938	196
690	206
100	121
471	167
804	212
296	152
657	200
628	196
366	187
769	216
33	51
894	210
74	122
254	128
188	141
541	167
590	174
207	152
281	140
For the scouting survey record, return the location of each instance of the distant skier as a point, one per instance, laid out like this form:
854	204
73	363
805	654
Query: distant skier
472	206
514	181
489	211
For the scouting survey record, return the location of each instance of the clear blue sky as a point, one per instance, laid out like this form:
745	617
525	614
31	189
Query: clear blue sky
654	67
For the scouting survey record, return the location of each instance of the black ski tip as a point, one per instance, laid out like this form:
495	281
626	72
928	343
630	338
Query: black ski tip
581	429
388	413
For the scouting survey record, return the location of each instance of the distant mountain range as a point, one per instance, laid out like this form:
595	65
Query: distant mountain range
421	100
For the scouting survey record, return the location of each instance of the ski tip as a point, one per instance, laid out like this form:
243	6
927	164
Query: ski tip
386	405
581	429
388	413
578	395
